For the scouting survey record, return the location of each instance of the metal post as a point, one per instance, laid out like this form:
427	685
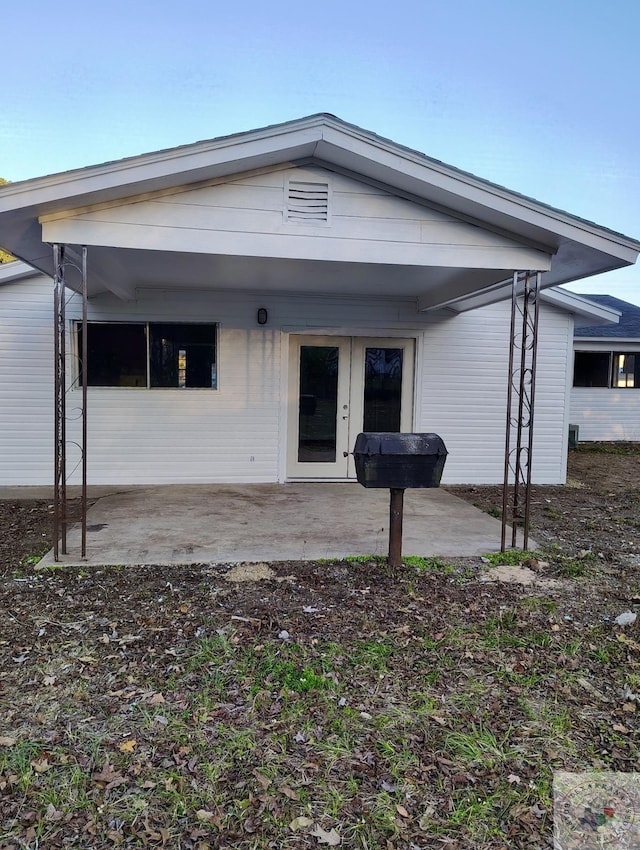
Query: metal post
60	489
396	503
60	508
522	384
507	445
83	377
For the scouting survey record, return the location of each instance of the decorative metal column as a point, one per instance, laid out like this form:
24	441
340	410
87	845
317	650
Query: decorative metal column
516	494
62	265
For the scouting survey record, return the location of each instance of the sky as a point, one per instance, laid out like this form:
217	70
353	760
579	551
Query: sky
540	97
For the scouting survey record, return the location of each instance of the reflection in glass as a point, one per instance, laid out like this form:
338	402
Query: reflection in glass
317	418
382	389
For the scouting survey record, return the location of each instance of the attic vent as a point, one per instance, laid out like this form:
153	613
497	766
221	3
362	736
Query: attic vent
308	202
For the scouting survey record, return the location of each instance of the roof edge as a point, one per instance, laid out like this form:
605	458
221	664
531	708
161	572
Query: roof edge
321	123
16	270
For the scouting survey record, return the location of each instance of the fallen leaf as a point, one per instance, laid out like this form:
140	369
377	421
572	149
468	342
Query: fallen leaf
618	727
7	741
332	837
53	814
109	777
513	779
402	811
157	699
49	680
251	824
300	823
288	792
629	707
41	765
128	746
262	779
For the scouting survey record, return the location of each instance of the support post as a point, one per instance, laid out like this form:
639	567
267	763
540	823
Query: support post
61	264
521	388
396	504
60	417
83	380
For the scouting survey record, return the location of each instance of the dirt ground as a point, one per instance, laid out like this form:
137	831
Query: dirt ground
323	704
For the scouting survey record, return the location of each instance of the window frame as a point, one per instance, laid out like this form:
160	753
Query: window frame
613	369
147	325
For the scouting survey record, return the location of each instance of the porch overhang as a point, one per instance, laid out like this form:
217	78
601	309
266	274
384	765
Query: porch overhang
35	213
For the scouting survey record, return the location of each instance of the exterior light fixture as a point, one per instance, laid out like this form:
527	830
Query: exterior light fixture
262	316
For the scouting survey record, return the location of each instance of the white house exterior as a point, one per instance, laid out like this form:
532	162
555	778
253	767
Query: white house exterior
256	301
605	397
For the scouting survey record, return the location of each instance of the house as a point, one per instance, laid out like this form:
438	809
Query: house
255	301
605	397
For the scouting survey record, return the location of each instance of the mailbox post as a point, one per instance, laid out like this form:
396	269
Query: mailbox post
398	461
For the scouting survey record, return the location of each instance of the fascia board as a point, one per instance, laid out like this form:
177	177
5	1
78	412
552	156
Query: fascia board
331	140
16	270
581	306
435	181
613	342
161	170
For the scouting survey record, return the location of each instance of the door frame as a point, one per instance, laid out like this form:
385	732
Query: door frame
353	385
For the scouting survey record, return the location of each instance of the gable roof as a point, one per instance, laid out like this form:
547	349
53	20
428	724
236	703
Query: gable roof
578	248
628	326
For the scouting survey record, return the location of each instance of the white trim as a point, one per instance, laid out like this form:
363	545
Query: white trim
582	248
16	270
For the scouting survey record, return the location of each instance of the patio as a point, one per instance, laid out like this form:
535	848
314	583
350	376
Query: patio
183	524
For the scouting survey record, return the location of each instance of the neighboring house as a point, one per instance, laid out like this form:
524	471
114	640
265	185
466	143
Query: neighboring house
605	398
258	300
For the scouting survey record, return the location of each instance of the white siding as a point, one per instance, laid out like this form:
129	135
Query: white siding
604	413
464	387
246	216
26	382
237	433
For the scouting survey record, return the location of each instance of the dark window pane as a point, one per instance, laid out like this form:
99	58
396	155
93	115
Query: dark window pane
591	369
116	354
382	389
317	418
182	355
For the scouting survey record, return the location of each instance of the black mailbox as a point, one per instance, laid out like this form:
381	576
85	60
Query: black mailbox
399	461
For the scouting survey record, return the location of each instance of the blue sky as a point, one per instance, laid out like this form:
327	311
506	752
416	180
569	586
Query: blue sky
539	97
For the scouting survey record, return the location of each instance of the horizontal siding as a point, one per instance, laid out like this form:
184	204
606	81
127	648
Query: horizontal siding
606	414
236	433
246	212
464	386
232	434
26	382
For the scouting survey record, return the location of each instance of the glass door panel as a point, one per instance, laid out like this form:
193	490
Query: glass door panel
318	403
319	376
382	389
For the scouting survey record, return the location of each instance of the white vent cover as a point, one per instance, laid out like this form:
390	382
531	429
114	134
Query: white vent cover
307	202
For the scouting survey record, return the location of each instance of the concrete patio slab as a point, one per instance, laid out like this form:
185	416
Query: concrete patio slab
181	524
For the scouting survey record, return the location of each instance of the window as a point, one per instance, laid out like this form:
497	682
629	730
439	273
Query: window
591	369
626	370
150	354
606	369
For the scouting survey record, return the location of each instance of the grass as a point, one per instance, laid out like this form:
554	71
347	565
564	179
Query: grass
393	725
510	557
610	448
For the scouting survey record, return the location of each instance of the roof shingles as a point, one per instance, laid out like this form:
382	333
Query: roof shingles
627	327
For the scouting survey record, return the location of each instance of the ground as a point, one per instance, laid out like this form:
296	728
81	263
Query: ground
296	705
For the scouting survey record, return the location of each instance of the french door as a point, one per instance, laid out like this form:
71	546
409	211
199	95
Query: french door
338	387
